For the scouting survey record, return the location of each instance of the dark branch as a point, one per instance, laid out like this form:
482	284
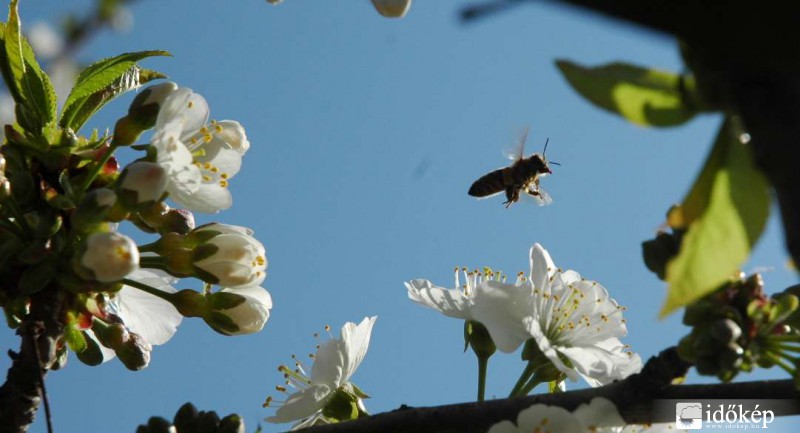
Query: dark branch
20	395
635	398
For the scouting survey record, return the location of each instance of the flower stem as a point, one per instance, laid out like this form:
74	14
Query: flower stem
99	166
529	386
148	289
523	378
483	364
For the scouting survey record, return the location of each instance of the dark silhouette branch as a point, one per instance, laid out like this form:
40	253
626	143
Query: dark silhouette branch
22	392
635	398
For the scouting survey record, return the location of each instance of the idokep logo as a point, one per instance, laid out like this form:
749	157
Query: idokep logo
689	416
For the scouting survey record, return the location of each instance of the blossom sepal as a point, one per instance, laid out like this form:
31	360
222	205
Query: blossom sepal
344	405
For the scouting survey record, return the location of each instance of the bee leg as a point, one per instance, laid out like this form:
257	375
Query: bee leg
534	192
512	195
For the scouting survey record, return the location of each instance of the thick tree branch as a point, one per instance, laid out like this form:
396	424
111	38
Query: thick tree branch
635	398
20	395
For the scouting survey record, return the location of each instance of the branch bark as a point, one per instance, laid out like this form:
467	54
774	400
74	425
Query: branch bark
635	398
20	395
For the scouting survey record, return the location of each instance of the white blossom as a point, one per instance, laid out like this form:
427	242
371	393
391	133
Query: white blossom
155	319
566	315
252	314
598	416
110	256
334	363
200	156
239	259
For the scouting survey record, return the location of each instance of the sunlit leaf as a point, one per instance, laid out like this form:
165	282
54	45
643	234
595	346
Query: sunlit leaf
643	96
27	83
725	212
81	109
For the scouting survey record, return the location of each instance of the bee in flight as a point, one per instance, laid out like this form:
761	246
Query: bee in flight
522	176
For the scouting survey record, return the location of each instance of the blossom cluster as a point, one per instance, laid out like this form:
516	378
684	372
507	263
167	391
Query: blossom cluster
63	197
567	322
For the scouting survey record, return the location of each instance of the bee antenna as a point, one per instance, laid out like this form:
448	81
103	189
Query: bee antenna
544	152
554	163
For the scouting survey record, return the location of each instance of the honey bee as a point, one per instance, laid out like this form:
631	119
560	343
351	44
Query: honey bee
522	175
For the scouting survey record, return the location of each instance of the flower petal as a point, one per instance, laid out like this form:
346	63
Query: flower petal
501	308
603	362
356	343
147	315
302	404
542	266
600	414
450	302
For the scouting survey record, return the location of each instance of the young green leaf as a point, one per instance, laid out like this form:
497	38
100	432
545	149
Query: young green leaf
101	77
26	81
81	109
646	97
721	234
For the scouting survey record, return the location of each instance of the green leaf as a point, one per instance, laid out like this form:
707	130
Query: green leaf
102	81
731	198
644	96
26	81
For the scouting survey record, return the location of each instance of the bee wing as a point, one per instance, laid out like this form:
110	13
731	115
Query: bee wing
538	195
518	151
543	199
490	195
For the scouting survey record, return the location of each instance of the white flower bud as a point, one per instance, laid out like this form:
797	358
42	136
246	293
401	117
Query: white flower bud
143	182
252	314
110	256
238	259
392	8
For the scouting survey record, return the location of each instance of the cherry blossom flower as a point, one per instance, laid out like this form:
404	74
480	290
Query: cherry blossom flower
334	363
199	156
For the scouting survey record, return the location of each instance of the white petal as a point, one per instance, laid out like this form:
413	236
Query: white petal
599	414
504	427
186	107
356	343
501	308
601	363
147	315
542	266
208	198
450	302
226	161
329	363
302	404
548	418
547	349
251	315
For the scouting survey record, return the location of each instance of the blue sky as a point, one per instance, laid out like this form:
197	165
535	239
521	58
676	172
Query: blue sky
365	136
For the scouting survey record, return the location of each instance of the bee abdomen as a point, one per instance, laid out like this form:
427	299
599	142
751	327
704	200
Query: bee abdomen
489	184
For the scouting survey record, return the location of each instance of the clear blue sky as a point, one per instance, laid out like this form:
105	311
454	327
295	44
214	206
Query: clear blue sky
365	136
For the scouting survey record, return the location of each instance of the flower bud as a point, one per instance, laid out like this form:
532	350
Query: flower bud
239	311
228	255
479	339
177	221
109	256
135	352
142	184
392	8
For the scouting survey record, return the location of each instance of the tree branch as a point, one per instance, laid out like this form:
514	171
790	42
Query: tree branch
634	397
20	395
